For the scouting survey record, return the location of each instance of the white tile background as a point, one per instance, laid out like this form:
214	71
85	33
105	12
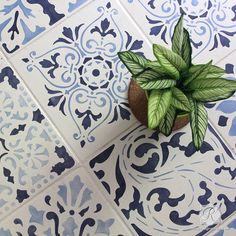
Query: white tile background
108	25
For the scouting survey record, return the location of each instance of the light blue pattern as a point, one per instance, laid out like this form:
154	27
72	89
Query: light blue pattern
65	212
211	23
30	156
103	226
140	171
228	106
36	216
84	76
69	227
29	35
5	232
73	6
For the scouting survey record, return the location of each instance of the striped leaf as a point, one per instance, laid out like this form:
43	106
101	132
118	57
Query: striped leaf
187	49
171	62
134	62
155	65
194	74
149	80
177	39
168	121
181	42
213	71
179	100
198	122
212	89
158	105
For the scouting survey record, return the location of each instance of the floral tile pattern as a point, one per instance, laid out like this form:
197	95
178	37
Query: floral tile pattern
165	187
223	113
31	154
23	20
83	82
64	88
211	23
73	207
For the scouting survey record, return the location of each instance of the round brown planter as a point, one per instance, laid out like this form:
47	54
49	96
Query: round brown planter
139	106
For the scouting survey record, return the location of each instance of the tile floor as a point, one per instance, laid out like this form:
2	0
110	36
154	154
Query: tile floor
73	159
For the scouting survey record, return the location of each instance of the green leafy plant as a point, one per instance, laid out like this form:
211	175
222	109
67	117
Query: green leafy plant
174	85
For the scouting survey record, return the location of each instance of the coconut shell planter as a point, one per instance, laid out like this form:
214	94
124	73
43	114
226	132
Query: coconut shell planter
170	92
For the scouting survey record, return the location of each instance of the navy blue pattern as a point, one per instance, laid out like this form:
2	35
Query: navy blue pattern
154	177
83	75
211	24
71	207
31	155
22	21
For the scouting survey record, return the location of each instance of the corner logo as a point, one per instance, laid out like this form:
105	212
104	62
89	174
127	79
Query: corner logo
210	214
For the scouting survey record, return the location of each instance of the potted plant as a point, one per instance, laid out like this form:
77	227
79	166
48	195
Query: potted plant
171	91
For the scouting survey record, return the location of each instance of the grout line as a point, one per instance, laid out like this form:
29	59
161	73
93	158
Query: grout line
68	148
222	138
221	226
66	17
67	145
90	182
118	136
89	157
139	29
225	56
149	42
100	188
27	201
37	103
85	161
214	124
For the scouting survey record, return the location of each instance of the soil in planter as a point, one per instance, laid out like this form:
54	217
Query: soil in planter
139	105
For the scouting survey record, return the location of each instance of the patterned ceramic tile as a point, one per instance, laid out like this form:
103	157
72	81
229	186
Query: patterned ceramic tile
31	154
164	187
227	230
71	207
211	23
23	20
75	72
223	113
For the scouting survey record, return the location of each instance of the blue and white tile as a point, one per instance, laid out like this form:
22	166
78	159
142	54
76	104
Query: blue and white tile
211	23
24	20
70	207
227	229
223	113
75	73
162	186
32	155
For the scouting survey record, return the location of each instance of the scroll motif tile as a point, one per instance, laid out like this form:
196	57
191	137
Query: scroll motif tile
24	20
211	23
223	113
70	207
165	187
32	155
77	76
